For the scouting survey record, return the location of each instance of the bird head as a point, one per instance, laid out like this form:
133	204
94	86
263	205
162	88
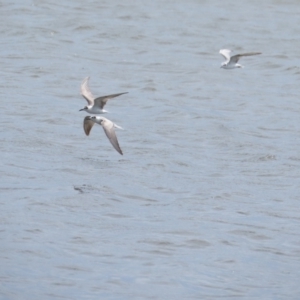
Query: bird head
97	119
85	108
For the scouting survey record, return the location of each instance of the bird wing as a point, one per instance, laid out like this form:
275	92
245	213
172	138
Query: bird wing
101	101
226	54
109	130
236	58
87	124
85	91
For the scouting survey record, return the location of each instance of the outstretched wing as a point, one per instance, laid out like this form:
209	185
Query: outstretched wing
226	54
101	101
85	91
87	124
236	58
109	130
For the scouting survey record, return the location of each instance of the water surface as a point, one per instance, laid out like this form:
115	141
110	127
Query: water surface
204	202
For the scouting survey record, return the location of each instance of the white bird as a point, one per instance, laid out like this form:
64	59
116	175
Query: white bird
231	62
95	105
108	126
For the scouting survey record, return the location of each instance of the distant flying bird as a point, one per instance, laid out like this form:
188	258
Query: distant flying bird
95	105
231	62
108	126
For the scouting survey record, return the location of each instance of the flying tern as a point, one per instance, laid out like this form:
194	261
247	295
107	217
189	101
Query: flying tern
231	61
95	105
108	126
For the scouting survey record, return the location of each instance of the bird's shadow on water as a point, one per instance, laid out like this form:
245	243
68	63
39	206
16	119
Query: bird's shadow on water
92	189
106	166
87	188
103	162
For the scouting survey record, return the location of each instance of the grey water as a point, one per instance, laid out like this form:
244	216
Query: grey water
204	203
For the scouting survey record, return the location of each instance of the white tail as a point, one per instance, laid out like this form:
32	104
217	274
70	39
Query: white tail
117	126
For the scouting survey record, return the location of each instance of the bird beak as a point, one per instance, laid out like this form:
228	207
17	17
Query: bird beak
81	109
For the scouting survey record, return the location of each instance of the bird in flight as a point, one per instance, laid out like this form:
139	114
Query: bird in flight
231	61
95	105
108	127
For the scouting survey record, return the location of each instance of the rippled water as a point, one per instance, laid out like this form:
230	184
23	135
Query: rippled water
204	204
